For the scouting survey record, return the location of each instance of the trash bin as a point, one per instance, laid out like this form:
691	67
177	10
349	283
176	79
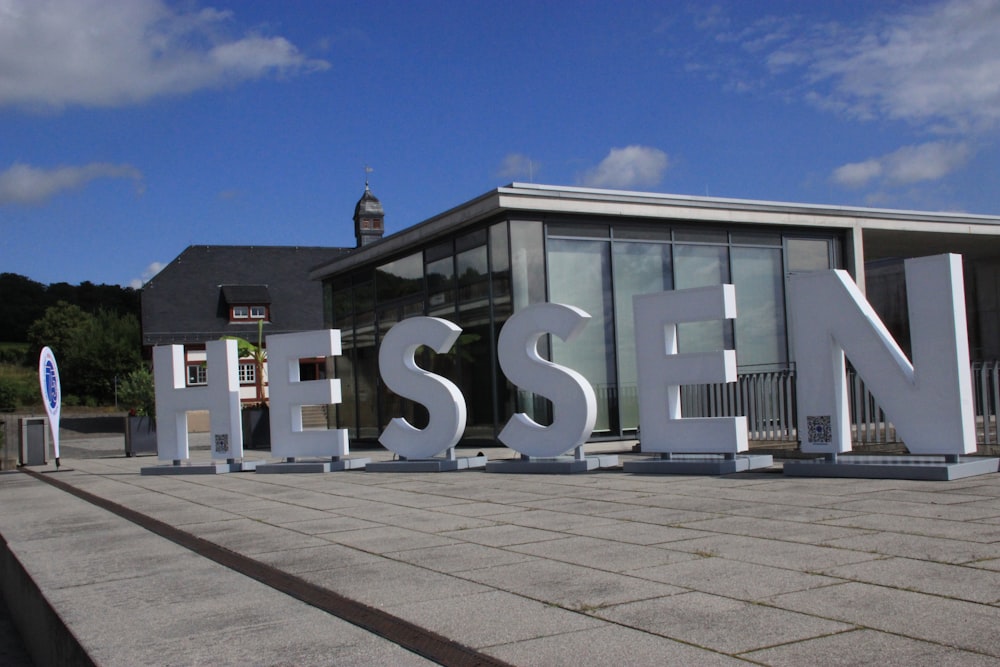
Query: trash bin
140	435
34	439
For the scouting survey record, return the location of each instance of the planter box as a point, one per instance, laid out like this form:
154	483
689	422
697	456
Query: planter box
140	435
256	428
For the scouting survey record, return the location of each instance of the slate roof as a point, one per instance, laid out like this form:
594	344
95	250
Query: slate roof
246	295
188	301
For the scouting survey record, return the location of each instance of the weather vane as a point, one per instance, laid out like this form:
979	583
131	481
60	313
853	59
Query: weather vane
368	170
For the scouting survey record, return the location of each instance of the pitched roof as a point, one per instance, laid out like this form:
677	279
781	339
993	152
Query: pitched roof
188	301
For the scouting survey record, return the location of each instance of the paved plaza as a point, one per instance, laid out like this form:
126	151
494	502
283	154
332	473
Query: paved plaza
593	569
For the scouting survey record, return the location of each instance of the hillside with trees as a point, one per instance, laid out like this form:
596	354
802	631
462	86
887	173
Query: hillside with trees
24	301
93	331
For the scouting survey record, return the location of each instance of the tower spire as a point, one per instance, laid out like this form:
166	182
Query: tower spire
369	217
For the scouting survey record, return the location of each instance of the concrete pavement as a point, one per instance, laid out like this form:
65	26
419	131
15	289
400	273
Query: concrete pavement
575	570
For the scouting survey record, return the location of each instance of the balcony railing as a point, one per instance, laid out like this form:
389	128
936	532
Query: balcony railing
767	399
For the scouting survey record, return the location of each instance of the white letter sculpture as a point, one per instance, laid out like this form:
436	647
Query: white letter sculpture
401	374
287	394
662	371
929	401
221	397
574	406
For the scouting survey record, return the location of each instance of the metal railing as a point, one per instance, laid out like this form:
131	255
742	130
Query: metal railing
986	392
765	398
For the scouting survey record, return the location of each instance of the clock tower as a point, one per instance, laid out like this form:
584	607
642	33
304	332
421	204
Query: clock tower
369	218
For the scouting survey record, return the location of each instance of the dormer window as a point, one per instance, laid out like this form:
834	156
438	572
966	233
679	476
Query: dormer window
248	313
246	303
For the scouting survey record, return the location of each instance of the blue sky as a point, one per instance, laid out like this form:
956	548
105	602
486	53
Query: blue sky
132	129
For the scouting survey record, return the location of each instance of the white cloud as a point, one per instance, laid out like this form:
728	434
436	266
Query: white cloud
23	184
934	65
937	64
930	161
517	165
632	166
110	53
857	174
147	275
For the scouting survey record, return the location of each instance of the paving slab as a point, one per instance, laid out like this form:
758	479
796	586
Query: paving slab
720	623
791	531
979	531
494	617
383	583
862	648
964	625
776	553
732	578
456	558
569	586
921	547
950	581
609	645
596	553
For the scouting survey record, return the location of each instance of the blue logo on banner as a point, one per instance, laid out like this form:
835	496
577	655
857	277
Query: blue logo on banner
51	392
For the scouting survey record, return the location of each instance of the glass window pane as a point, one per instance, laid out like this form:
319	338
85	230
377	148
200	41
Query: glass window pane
527	262
440	285
756	238
700	266
580	275
640	268
760	314
473	274
808	254
701	235
401	277
437	252
476	238
576	229
659	232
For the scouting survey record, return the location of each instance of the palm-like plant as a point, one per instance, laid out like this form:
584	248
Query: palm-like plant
258	354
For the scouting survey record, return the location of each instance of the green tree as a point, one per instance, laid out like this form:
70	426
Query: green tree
106	347
59	328
91	350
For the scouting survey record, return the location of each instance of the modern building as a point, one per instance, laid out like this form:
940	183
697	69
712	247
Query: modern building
481	261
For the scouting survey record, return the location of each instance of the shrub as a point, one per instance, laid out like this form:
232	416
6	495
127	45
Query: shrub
136	392
8	395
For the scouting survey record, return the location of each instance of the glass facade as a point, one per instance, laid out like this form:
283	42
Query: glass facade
478	277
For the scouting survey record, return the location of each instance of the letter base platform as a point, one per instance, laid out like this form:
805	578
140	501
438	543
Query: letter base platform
699	464
188	468
932	468
433	464
316	465
557	465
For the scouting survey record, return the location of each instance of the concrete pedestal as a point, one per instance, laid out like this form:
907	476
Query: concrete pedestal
428	465
328	465
178	468
559	465
699	464
935	468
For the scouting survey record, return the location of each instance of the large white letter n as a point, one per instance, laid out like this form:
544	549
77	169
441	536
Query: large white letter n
929	401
